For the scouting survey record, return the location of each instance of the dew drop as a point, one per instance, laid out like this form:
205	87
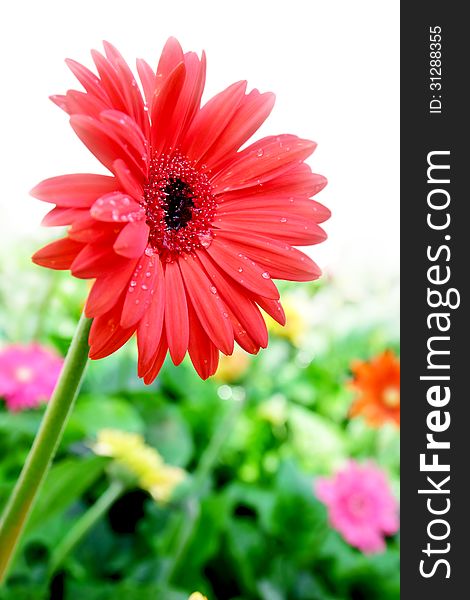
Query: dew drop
205	240
265	275
240	269
213	289
225	315
260	153
283	220
144	287
133	283
148	251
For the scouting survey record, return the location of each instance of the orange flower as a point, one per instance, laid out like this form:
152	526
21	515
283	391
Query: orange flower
377	384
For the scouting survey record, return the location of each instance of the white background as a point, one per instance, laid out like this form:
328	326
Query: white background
332	64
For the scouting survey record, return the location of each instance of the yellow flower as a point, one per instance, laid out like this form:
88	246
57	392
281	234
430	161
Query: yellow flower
296	323
197	596
231	368
143	462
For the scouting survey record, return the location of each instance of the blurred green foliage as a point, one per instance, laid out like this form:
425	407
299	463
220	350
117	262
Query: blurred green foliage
247	526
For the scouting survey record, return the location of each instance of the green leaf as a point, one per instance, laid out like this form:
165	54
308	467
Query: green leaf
93	413
65	482
318	442
168	432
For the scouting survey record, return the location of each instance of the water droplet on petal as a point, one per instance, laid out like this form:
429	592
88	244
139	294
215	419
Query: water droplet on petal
133	283
144	287
149	251
205	240
265	275
240	269
213	289
260	153
283	220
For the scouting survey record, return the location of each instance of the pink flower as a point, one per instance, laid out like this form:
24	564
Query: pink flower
28	375
360	505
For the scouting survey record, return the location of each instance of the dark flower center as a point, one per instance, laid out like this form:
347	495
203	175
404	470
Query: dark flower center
179	204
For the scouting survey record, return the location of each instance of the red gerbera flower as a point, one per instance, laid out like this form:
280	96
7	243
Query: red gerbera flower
184	237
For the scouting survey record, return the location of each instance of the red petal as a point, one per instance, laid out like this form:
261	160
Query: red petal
62	216
281	260
132	240
106	291
273	308
97	260
89	80
176	313
235	262
158	360
133	97
130	184
106	334
297	182
189	99
90	231
79	190
58	255
262	161
127	130
100	140
251	114
163	105
150	327
140	290
116	207
211	120
301	207
147	77
246	315
210	309
289	228
61	101
109	80
203	353
172	55
82	103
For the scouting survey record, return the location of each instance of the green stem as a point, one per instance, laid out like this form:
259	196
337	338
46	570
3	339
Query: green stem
186	522
44	446
84	524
